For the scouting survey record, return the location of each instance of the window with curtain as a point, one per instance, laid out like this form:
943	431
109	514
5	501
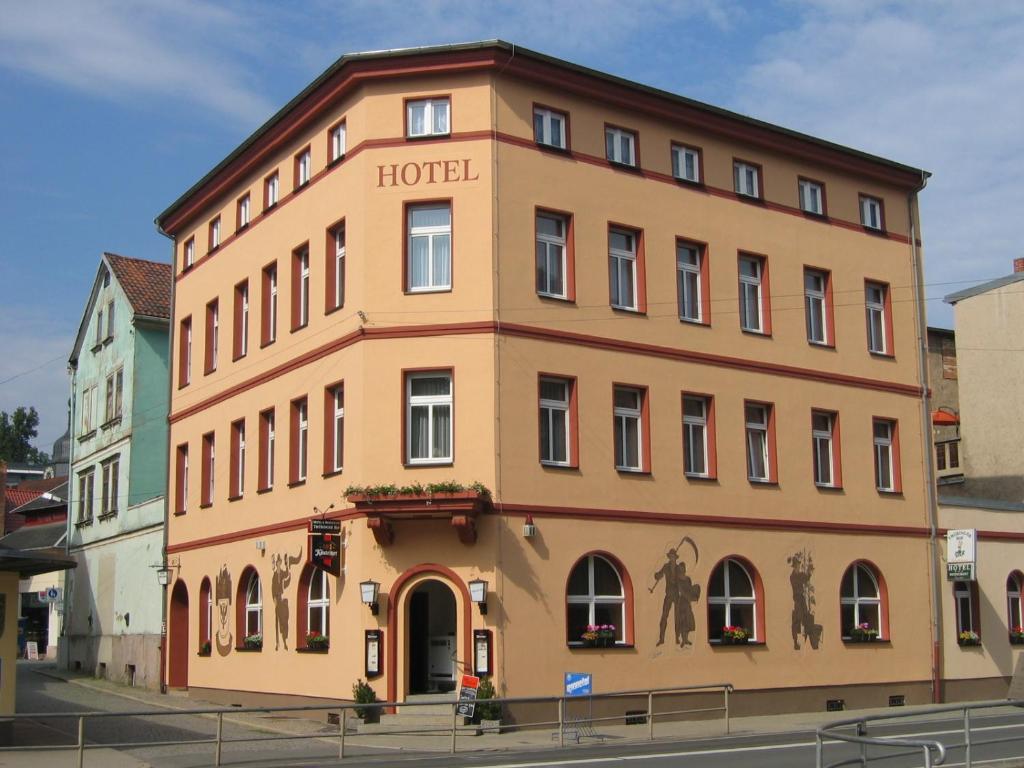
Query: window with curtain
430	247
318	604
860	600
429	418
254	606
595	596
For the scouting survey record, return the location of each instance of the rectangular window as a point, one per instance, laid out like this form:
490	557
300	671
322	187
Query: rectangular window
686	163
620	146
556	425
99	328
699	459
267	437
86	491
551	255
212	335
300	287
181	480
185	352
240	336
215	234
268	308
271	190
429	245
871	215
825	447
111	471
887	467
303	168
879	323
692	283
428	418
335	268
812	196
115	391
427	117
629	407
190	252
746	179
753	294
243	214
110	320
334	428
207	474
237	468
818	306
88	405
299	448
760	426
549	127
338	139
966	598
622	265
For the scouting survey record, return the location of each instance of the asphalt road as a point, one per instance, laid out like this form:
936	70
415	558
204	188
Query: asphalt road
38	693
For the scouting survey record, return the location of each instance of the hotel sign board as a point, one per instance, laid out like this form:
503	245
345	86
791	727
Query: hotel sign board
961	555
325	545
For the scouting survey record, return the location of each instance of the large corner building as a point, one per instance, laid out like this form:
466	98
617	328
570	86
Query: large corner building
678	347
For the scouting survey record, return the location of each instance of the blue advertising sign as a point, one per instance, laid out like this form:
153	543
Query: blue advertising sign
578	684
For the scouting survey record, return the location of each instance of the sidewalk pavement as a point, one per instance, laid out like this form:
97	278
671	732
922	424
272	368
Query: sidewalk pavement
312	725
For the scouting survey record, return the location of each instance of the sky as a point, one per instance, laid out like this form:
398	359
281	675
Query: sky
111	109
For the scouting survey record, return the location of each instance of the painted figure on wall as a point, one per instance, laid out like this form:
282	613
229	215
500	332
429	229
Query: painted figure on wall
223	598
680	594
803	600
282	565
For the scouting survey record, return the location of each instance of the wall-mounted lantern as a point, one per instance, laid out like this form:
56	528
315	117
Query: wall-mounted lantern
478	594
369	590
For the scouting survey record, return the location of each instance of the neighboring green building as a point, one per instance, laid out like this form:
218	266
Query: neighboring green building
118	473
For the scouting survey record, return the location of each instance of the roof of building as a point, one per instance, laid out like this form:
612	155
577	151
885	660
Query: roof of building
991	285
511	53
56	497
146	283
993	505
29	490
31	537
34	562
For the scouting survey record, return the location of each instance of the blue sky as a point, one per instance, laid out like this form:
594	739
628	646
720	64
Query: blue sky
112	109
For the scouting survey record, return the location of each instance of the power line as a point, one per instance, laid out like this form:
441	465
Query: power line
32	370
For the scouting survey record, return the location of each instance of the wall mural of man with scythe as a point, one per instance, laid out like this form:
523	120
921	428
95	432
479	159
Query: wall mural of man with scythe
223	598
680	594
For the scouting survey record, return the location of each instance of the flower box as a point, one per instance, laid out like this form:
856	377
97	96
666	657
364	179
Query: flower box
733	635
253	643
1017	638
733	640
863	633
317	642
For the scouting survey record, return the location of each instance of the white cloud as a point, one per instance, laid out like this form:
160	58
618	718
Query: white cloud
181	49
937	85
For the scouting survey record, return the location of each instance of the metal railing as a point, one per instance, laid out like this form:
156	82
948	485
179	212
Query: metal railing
932	751
219	740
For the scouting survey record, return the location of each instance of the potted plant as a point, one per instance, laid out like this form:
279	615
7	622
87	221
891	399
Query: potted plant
863	633
362	693
317	642
968	637
205	648
1017	636
590	636
732	635
253	642
488	713
606	635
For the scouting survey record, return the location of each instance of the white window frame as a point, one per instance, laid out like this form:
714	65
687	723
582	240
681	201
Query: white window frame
883	448
430	233
622	265
338	428
430	402
240	459
729	600
627	419
695	437
815	306
304	287
688	283
548	408
211	472
321	605
190	252
875	315
592	599
746	179
111	469
244	213
554	248
429	106
184	480
822	445
339	137
962	598
272	336
244	345
544	127
86	494
614	146
254	604
757	441
272	189
871	212
339	266
215	233
859	601
215	341
303	438
209	614
270	416
812	197
188	352
751	290
305	167
680	155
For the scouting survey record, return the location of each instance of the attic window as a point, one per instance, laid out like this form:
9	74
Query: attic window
106	278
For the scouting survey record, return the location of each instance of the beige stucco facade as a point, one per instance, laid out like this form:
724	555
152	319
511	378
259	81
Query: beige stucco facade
496	338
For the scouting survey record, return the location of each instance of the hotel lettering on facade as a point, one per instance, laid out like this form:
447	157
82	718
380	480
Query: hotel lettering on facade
677	347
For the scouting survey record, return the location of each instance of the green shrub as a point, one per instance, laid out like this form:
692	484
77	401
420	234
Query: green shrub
362	693
485	709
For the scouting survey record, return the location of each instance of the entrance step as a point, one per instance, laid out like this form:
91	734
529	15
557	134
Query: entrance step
421	712
427	704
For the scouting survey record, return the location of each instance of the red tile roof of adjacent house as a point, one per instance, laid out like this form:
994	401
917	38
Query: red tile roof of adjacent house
147	284
18	496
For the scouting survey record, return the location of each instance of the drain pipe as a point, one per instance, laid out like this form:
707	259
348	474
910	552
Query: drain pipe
927	445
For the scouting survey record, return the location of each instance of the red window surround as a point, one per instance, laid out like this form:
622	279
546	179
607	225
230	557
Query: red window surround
711	430
237	435
293	440
837	453
760	631
830	307
574	419
824	197
210	339
450	202
773	451
897	467
628	634
269	305
239	204
181	480
331	268
641	266
329	392
890	345
214	241
570	248
645	423
241	593
766	290
296	162
884	632
184	352
206	478
266	419
297	287
240	326
302	617
205	635
705	276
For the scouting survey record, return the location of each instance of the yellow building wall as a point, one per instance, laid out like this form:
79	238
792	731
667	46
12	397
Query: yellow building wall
9	642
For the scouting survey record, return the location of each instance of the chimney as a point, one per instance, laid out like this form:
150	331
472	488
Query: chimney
1018	264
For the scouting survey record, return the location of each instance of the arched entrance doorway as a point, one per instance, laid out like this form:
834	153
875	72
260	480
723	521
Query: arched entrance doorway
177	659
432	632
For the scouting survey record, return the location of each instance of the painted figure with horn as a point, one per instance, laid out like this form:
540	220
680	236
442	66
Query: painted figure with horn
282	564
680	594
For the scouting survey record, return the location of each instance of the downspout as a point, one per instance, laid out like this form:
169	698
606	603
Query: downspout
927	444
69	579
167	489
